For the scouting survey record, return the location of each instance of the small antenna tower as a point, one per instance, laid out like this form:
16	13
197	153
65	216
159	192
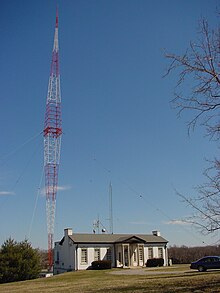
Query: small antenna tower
97	224
110	210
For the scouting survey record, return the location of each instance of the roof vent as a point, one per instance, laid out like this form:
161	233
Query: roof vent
156	233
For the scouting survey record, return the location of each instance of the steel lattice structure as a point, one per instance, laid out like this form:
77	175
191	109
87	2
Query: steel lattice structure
52	142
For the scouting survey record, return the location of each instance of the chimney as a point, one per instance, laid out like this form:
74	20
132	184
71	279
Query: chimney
156	233
68	232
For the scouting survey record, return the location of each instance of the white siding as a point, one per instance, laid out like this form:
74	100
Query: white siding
67	255
90	254
155	248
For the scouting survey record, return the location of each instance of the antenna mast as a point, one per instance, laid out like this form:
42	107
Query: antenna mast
110	210
52	142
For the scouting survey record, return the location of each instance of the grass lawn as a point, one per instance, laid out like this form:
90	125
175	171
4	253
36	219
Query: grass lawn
175	279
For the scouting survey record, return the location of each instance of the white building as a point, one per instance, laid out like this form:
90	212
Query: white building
77	251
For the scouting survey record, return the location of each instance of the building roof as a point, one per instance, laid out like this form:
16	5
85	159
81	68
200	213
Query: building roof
115	238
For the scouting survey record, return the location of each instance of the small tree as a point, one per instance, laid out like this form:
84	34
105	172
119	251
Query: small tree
44	258
18	261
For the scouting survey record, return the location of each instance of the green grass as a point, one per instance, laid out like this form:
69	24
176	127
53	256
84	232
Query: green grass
110	281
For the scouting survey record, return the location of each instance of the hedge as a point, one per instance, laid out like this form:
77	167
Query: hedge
101	265
155	262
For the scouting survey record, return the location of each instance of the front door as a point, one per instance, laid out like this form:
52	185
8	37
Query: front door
126	255
133	254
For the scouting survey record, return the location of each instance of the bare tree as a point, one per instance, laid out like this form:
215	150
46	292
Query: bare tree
198	90
185	254
206	202
201	65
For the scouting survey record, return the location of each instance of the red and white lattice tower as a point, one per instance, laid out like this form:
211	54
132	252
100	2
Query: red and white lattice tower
52	142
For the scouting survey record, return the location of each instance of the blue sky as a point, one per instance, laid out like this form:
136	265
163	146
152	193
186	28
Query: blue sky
117	120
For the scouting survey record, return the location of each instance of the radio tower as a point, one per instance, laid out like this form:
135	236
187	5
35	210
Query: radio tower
52	142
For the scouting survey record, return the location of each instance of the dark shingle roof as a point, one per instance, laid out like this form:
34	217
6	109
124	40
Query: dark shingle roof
115	238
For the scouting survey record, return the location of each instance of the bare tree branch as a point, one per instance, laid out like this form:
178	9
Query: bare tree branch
199	67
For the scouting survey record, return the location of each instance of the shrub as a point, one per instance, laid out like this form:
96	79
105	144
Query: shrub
18	261
155	262
101	265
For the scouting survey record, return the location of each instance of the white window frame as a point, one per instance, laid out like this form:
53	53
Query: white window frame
84	255
150	252
160	252
109	253
141	252
96	253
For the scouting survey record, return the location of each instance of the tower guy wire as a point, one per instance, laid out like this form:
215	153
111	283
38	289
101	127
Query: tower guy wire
142	196
35	204
11	153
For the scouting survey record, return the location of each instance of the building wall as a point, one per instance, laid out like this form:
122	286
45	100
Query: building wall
68	256
138	254
156	251
91	254
64	256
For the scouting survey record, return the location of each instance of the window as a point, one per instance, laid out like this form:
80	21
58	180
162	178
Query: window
58	257
140	251
84	256
109	254
126	256
160	252
135	256
150	252
96	253
119	257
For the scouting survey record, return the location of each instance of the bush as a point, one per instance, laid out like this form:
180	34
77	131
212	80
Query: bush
155	262
18	261
101	265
